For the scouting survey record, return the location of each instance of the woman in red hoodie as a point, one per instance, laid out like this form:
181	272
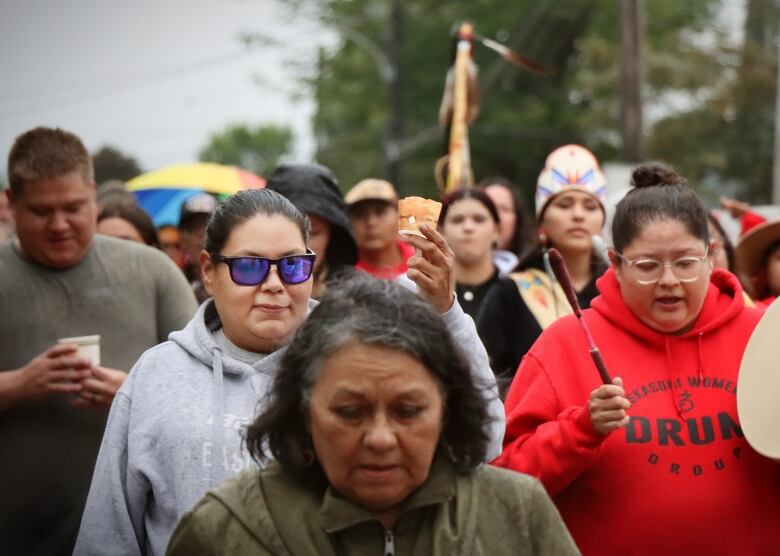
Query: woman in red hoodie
655	463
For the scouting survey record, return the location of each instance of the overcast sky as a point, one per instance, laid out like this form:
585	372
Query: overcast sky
156	77
153	78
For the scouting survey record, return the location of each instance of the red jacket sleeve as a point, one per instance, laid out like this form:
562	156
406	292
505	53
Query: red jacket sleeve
543	439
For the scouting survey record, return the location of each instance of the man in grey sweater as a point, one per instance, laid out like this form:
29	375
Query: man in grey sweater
58	279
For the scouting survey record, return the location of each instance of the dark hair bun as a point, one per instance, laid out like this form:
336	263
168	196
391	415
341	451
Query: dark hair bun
655	173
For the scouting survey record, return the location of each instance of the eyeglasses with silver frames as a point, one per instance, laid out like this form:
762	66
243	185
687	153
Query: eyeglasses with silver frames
649	271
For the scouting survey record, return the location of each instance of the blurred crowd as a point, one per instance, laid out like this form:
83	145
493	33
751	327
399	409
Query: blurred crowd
305	380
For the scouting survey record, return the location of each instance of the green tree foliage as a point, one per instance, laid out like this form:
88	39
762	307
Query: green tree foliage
751	137
254	148
700	91
112	164
724	143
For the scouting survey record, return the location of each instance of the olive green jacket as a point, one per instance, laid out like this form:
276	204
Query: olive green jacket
488	512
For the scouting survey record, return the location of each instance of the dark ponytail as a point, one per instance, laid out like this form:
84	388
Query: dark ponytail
659	194
245	205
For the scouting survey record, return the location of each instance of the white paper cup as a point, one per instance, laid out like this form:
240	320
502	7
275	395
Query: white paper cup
89	346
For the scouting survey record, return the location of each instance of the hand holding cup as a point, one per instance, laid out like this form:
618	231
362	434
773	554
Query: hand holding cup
432	268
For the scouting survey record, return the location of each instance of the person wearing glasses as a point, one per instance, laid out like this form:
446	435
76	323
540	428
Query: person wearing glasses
655	462
174	431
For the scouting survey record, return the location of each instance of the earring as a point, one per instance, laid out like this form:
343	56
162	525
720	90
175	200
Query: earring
542	239
308	457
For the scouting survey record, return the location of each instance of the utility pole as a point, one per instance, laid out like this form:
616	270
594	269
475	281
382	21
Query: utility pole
631	78
388	62
395	128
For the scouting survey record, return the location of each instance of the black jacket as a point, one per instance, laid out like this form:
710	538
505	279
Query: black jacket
507	326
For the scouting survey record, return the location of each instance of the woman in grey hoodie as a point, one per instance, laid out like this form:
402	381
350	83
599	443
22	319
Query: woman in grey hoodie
174	431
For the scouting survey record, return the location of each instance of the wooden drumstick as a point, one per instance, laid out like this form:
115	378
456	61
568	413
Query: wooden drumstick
562	274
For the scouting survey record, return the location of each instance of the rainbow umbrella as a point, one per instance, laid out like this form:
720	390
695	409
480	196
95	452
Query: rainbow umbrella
162	192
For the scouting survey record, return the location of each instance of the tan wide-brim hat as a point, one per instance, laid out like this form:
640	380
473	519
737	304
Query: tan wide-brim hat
758	386
752	245
371	190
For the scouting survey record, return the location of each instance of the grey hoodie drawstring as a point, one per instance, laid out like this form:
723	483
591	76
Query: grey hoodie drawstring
217	429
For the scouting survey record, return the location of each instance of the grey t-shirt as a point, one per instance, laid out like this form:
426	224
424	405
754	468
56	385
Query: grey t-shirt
133	296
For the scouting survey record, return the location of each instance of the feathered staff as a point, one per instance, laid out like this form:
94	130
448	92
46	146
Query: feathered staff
460	105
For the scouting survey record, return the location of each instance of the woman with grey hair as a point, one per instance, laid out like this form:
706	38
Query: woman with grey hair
174	430
377	430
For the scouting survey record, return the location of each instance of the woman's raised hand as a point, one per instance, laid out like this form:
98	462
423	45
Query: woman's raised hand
432	268
607	407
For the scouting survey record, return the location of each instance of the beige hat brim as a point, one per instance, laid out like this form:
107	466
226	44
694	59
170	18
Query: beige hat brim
751	246
371	189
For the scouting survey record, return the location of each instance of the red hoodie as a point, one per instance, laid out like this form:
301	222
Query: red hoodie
680	478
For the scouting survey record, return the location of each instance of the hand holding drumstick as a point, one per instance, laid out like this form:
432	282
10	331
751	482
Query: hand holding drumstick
607	407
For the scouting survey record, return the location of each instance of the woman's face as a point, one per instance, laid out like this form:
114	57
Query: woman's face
375	419
773	272
669	305
119	227
470	231
718	254
319	238
505	203
263	317
570	220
